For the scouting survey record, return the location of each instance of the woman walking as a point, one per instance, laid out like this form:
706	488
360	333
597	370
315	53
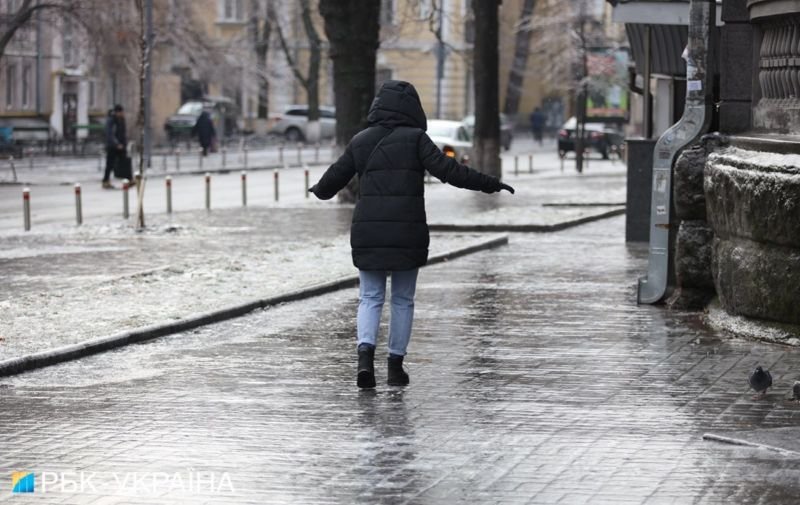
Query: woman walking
389	234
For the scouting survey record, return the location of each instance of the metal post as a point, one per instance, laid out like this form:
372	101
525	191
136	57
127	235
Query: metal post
200	158
148	85
177	159
646	92
245	157
244	188
208	191
316	152
224	157
516	165
307	186
13	168
277	190
26	208
126	184
78	206
299	153
168	181
530	163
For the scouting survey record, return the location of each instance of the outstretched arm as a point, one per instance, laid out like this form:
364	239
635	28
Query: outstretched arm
336	177
448	170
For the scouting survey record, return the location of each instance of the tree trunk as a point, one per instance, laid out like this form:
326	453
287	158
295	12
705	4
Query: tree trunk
487	106
352	27
261	31
522	46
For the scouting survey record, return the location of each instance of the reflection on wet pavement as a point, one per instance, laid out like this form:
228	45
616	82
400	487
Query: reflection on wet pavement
535	379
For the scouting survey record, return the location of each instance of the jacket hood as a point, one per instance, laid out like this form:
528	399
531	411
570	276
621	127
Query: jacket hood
397	104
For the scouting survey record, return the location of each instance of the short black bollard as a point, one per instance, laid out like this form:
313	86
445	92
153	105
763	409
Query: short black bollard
168	181
516	165
126	185
307	182
277	190
530	163
208	191
244	188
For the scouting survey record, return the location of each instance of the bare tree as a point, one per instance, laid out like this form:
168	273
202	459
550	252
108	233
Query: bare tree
354	53
310	82
11	23
487	114
522	43
260	33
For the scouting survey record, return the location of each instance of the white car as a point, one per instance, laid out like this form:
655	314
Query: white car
452	137
292	123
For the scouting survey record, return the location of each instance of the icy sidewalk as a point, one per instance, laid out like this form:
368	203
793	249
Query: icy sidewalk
94	281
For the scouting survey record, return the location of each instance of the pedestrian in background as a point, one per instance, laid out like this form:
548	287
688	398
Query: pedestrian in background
116	142
538	120
204	129
389	234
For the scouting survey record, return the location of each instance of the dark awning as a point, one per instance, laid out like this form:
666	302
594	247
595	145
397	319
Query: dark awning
666	46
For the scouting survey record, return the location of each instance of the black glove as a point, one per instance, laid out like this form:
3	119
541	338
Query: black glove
506	187
313	189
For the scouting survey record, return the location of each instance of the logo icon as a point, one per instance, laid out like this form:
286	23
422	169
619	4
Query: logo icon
22	482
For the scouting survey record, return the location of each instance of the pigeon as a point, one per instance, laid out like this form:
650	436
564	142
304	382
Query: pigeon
760	381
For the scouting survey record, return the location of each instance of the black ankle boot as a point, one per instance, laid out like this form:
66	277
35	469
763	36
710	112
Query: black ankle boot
366	367
396	376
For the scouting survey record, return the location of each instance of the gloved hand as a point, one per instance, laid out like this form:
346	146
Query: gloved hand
313	189
506	187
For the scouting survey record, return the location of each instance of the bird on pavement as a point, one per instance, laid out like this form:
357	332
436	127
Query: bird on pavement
796	391
760	381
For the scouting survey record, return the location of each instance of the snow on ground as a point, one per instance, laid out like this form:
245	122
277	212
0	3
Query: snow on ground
226	268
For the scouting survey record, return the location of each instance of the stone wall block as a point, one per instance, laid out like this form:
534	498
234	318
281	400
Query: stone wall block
694	247
688	193
758	280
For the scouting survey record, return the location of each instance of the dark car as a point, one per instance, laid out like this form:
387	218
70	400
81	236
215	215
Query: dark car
224	113
604	138
506	129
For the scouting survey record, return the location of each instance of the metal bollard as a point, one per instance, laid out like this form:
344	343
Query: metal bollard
200	159
299	153
280	152
244	188
224	157
208	191
177	159
316	152
78	206
516	165
530	163
126	185
307	186
245	157
168	181
277	189
26	208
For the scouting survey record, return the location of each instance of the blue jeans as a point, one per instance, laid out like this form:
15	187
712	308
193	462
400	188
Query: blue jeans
372	292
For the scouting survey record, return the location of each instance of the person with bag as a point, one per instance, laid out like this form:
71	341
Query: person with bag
389	234
117	161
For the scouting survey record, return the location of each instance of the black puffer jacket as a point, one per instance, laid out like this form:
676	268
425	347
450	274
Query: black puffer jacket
389	230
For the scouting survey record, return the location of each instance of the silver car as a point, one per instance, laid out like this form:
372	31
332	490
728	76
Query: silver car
452	137
292	123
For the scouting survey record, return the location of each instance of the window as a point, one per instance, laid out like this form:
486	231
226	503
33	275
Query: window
232	10
11	86
70	46
387	12
425	8
26	86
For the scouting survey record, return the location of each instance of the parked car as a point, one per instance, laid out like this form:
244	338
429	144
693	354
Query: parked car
506	129
224	113
604	138
292	123
452	137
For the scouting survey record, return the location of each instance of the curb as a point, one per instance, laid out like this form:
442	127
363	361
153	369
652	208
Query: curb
535	228
70	352
744	443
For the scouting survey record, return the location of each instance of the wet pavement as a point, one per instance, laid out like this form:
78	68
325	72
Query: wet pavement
535	378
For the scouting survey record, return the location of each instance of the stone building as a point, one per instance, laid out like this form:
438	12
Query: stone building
737	192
